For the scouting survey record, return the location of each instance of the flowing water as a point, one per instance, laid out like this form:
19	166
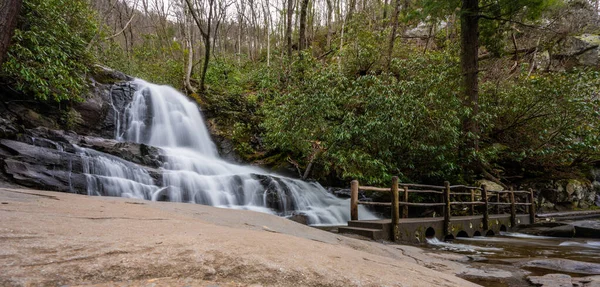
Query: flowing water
509	250
192	170
510	245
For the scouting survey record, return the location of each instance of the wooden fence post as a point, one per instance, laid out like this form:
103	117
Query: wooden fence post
447	229
513	209
395	207
354	200
472	200
531	207
405	207
498	203
486	216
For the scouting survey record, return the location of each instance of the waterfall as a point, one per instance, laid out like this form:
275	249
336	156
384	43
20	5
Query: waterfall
192	170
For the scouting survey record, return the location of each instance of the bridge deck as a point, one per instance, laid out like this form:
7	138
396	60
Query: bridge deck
416	229
434	219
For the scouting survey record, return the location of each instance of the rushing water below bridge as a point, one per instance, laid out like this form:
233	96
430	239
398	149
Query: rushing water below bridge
511	249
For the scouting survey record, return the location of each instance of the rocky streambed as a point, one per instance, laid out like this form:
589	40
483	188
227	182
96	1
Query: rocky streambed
519	259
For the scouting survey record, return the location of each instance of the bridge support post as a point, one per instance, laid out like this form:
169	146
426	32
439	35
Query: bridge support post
447	210
513	209
531	207
354	200
486	215
395	207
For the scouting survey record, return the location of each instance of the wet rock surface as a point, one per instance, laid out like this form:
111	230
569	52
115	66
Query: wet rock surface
587	229
564	280
581	229
564	265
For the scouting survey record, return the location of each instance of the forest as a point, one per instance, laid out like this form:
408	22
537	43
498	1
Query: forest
334	90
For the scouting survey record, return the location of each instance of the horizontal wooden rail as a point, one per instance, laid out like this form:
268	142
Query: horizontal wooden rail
499	203
371	188
465	187
414	185
424	191
508	191
460	193
467	203
421	204
523	203
375	203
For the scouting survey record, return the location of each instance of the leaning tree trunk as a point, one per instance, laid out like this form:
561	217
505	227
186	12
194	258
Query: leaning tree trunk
9	13
469	66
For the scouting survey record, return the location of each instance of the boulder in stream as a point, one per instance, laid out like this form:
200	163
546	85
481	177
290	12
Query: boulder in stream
587	229
565	265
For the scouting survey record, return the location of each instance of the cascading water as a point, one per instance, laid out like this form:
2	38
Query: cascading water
192	170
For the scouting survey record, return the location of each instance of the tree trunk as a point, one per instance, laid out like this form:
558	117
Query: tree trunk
205	36
9	13
207	47
329	14
393	34
351	8
288	31
302	32
268	26
468	58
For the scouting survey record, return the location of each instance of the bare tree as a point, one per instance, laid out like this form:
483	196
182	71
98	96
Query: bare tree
205	30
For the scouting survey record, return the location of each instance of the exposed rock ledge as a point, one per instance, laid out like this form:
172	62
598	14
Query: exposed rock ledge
51	238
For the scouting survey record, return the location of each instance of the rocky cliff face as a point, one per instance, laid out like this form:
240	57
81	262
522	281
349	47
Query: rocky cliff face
85	158
35	153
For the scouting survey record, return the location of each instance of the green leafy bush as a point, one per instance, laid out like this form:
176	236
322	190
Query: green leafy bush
371	127
48	57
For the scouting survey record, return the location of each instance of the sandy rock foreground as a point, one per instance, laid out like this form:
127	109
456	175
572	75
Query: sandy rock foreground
56	239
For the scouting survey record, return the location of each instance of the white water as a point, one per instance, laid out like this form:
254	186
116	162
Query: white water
193	172
459	247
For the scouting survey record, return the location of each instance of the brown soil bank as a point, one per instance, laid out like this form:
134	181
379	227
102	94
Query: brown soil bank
49	238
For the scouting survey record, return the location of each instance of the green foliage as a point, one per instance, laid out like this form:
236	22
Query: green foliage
371	127
146	61
545	124
48	57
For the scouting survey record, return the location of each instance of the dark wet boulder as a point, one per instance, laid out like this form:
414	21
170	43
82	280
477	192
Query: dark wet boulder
137	153
554	229
567	231
587	229
41	167
300	218
565	265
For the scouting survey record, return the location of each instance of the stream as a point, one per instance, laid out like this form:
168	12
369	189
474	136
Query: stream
521	254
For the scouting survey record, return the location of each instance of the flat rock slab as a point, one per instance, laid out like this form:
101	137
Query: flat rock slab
565	265
563	280
56	239
552	280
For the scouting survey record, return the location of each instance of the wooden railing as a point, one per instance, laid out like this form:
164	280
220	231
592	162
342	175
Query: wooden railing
446	194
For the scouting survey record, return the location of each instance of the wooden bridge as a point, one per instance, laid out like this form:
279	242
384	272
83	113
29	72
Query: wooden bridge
471	205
